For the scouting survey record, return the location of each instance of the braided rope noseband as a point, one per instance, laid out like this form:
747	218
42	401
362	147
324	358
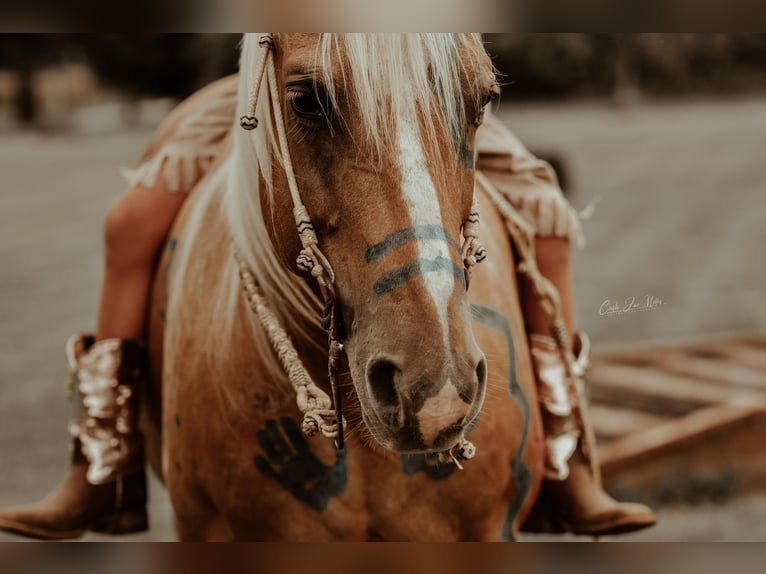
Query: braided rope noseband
313	402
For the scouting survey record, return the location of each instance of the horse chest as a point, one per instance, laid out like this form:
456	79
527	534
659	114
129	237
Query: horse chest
426	500
273	483
262	479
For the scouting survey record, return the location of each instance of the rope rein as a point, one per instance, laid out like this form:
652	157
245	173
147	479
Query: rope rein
313	402
319	416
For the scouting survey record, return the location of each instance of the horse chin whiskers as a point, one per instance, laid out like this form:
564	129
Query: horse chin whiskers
368	440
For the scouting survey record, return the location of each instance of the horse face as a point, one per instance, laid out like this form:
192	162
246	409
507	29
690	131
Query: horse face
388	197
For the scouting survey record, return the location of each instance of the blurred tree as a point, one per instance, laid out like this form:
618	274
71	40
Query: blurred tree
554	65
27	53
172	65
683	63
623	65
532	65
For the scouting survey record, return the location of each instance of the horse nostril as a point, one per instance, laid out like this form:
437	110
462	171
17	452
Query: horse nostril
481	371
381	379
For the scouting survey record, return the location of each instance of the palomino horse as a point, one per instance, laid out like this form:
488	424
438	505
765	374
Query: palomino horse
381	131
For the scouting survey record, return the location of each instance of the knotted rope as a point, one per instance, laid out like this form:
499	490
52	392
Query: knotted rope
523	237
313	402
473	251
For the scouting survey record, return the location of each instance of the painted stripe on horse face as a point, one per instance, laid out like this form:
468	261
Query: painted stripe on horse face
398	278
403	236
424	210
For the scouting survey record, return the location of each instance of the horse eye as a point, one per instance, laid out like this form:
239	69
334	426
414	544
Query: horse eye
492	98
305	104
494	95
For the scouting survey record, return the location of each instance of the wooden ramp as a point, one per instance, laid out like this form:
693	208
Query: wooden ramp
681	423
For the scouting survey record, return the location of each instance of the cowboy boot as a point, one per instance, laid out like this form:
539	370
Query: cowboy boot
106	488
571	497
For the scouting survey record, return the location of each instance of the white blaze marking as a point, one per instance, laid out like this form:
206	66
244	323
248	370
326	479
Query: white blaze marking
423	204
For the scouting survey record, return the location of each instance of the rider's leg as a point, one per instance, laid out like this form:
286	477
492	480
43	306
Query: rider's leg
571	496
552	254
106	487
573	499
135	228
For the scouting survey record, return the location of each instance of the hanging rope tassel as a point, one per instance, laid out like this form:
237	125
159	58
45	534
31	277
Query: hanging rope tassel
315	405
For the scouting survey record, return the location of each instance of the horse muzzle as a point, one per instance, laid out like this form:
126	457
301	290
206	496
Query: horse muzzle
409	411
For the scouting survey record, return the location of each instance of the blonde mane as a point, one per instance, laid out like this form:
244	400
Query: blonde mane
407	71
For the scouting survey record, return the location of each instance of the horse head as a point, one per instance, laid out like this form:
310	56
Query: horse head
380	131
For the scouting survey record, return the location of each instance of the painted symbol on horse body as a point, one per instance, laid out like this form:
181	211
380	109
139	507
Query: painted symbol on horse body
296	468
522	475
171	249
428	463
423	207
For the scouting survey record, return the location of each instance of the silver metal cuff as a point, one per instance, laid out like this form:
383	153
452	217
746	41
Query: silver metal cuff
105	426
558	400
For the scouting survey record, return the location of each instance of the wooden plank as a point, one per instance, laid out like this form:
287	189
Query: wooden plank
662	385
713	396
721	370
638	399
723	461
737	352
667	417
644	355
667	438
756	343
611	422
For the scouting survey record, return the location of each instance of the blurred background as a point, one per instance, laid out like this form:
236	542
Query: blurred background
659	136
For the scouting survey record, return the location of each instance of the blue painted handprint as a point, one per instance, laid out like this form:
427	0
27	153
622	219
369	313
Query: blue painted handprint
293	465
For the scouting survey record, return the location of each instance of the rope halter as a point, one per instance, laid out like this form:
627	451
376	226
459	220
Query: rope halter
473	251
319	416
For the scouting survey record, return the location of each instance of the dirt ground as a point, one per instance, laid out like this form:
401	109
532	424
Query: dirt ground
680	218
